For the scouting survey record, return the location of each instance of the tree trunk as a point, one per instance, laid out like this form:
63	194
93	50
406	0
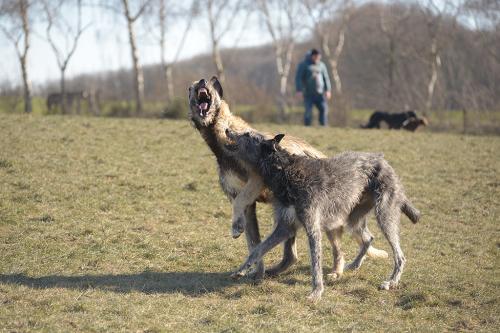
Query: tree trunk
283	65
167	72
169	80
138	74
390	70
23	58
333	59
28	108
339	105
435	64
282	103
64	104
219	66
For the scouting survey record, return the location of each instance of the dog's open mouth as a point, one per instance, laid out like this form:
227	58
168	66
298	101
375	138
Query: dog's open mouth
204	101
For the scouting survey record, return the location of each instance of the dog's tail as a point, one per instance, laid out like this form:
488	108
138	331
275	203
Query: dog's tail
409	210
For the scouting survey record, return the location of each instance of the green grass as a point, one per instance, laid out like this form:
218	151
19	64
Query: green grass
120	225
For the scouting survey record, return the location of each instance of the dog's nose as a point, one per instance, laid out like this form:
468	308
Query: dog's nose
202	83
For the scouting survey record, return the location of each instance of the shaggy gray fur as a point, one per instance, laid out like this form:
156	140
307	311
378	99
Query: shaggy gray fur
326	194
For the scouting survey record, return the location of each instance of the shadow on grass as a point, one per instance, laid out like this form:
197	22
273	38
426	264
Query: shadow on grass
187	283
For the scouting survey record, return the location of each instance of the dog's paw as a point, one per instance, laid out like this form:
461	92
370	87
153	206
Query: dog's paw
334	275
388	285
235	233
353	266
256	274
315	296
238	227
237	275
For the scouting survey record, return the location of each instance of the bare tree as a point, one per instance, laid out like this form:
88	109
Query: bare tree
221	15
391	21
18	31
131	19
486	17
320	12
72	33
282	23
164	19
435	15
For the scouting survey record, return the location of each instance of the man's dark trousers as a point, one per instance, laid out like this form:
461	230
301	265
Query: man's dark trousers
320	102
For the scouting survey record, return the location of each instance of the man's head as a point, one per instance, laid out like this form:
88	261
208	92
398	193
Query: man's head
205	98
252	147
315	56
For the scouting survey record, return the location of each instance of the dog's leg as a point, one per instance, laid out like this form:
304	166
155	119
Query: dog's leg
313	229
360	235
360	231
253	238
388	214
280	233
247	196
334	237
364	238
285	215
289	258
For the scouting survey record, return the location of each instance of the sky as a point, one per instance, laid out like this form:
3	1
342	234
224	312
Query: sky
104	45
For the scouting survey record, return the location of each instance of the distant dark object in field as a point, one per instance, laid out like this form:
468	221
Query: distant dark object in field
56	100
412	124
407	120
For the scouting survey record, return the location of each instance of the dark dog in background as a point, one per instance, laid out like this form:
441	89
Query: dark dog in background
407	120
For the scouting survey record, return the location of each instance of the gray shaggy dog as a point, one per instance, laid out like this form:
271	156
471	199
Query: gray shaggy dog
325	194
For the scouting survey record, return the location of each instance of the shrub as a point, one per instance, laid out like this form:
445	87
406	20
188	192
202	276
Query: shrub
176	109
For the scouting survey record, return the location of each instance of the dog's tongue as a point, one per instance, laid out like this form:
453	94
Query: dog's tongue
203	108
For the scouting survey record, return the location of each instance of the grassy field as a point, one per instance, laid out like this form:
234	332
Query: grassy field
120	225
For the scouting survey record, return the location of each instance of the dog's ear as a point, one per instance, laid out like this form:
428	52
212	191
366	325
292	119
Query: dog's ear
216	84
276	140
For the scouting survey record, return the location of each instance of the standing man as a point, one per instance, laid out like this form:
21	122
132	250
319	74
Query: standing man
313	84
